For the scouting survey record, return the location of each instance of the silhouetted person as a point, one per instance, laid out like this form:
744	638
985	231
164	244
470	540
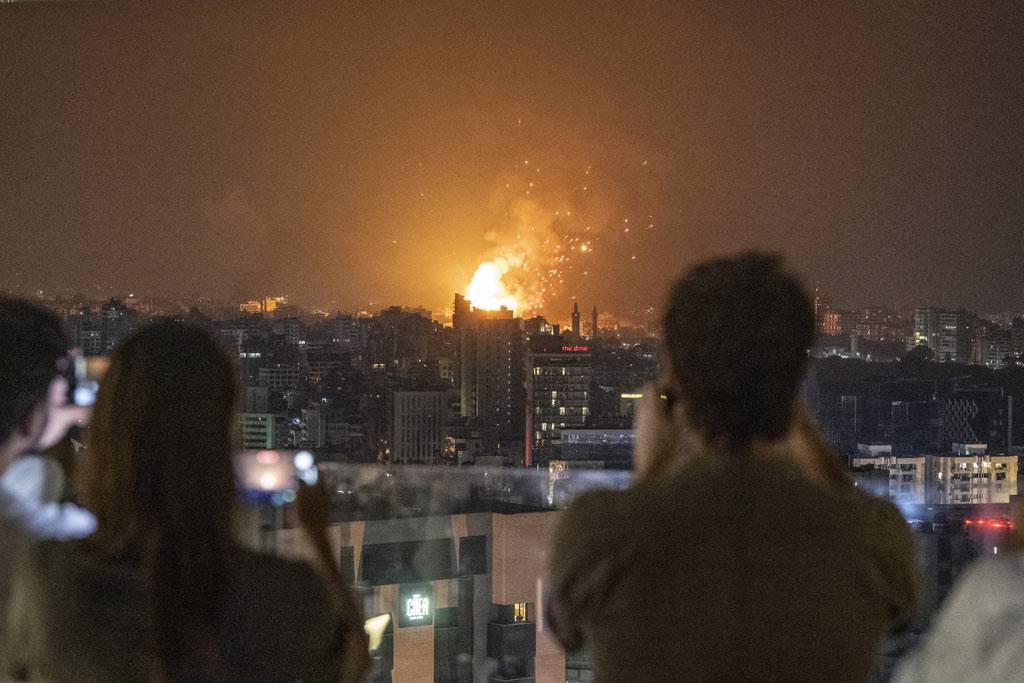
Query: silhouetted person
34	415
741	552
162	590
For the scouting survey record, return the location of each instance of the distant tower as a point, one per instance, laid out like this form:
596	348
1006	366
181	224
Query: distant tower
492	361
593	323
820	307
575	319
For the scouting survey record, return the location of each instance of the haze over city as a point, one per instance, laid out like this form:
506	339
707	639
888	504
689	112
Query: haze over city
351	156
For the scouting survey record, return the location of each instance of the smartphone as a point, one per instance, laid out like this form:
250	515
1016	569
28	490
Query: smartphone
83	376
271	476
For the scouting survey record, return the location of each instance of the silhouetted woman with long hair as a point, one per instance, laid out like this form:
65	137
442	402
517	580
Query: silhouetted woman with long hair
162	590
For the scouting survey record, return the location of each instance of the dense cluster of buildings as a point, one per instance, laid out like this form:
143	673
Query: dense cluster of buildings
397	386
948	336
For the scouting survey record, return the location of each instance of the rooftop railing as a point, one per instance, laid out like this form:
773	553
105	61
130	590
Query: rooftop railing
456	558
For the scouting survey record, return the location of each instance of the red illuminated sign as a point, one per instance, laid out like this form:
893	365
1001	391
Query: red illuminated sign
575	349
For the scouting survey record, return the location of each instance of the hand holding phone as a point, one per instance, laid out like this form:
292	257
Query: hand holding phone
62	415
83	377
312	506
271	476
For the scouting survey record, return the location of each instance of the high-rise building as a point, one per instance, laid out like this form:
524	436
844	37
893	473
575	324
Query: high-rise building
280	378
115	324
349	333
979	415
832	323
993	346
263	430
558	379
314	426
491	378
904	412
320	365
91	342
418	420
876	323
1017	338
947	333
819	308
576	320
257	399
954	337
593	323
926	328
462	313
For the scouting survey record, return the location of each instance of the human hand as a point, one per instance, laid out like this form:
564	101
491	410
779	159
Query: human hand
312	507
61	415
657	436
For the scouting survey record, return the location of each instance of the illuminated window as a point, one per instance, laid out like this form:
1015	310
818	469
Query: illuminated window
561	411
519	612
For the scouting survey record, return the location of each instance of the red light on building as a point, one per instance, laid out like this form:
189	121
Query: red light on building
575	349
990	523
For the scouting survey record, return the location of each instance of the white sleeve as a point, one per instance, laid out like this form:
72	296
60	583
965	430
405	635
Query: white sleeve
34	478
26	513
979	633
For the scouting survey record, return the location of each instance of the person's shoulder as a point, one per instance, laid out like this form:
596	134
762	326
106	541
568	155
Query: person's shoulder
874	509
260	566
591	519
270	578
1002	575
597	502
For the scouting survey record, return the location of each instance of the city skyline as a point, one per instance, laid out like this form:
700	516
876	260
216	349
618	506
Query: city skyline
828	302
384	154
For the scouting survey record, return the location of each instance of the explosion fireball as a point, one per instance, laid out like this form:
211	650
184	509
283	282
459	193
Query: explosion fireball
550	227
487	290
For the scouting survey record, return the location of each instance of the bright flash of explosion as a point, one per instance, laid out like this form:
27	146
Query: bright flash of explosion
552	228
487	290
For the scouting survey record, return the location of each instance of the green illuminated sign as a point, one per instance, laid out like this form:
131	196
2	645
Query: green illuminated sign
415	605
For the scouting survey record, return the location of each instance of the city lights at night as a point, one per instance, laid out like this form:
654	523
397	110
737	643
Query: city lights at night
524	342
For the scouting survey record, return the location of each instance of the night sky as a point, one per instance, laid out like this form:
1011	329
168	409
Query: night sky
352	155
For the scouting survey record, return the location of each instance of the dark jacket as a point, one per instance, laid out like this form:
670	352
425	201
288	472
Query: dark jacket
78	617
733	569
